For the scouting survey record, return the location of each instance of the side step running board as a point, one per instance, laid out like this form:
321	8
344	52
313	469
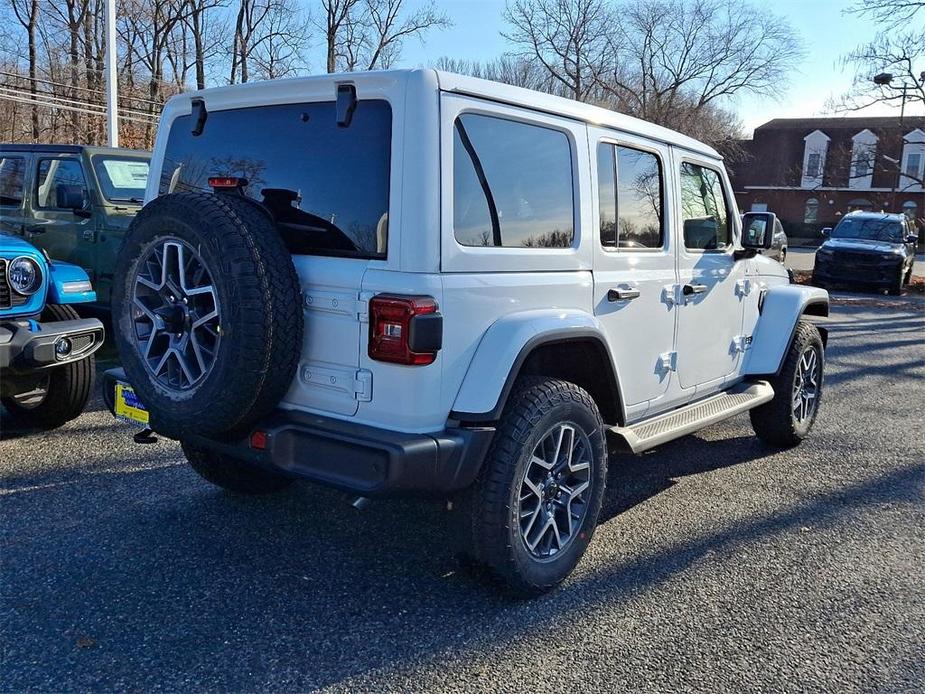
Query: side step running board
686	420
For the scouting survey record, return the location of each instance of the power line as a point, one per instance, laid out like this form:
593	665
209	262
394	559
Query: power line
75	102
68	86
65	107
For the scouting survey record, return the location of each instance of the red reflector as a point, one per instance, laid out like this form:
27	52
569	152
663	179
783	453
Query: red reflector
227	182
259	440
390	319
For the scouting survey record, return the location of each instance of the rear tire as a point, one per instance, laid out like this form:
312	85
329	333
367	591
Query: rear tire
232	474
514	493
68	387
782	421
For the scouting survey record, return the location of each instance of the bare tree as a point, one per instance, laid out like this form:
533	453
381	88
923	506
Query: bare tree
369	34
898	48
27	13
569	38
674	58
271	35
889	13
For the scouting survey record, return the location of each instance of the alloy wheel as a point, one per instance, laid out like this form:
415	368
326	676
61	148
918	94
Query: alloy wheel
805	397
176	315
555	491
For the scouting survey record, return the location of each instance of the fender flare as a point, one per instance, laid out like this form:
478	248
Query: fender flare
61	284
506	346
782	309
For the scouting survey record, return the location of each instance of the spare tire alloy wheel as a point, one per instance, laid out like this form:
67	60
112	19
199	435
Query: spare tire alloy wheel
176	315
552	502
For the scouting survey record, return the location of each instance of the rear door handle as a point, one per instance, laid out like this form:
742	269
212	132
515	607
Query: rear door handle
689	289
622	294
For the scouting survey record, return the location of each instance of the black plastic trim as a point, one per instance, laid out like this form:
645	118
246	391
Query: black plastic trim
354	457
425	333
554	337
26	346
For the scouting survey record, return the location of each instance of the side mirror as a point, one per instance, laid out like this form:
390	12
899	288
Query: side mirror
758	230
73	198
826	231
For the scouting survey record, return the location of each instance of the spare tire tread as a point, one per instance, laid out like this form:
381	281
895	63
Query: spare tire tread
261	312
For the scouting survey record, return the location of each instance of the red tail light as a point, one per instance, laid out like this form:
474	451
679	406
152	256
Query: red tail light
227	182
404	329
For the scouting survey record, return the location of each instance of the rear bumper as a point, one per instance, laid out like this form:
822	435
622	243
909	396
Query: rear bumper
357	458
27	346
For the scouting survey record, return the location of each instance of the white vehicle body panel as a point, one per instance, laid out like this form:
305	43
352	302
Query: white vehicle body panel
783	306
496	300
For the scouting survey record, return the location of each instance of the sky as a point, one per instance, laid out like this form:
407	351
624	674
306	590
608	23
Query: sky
826	32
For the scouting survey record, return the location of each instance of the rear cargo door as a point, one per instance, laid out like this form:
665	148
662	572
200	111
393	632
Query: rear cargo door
329	377
326	187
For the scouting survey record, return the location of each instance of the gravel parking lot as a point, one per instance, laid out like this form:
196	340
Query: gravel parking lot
719	564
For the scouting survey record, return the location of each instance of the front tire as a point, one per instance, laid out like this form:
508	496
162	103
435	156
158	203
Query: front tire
66	388
788	418
232	474
535	505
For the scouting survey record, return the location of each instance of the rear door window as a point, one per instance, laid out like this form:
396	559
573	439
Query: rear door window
630	194
327	187
122	179
512	184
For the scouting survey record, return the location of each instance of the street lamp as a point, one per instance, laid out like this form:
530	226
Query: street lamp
885	79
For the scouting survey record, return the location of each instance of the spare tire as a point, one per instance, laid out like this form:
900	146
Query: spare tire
207	313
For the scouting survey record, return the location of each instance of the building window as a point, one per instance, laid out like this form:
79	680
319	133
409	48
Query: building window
913	165
812	164
863	152
811	211
814	152
910	209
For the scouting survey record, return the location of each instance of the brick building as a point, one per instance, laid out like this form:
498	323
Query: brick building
811	171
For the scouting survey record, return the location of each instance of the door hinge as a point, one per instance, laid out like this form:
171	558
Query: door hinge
744	287
740	343
362	306
671	294
363	385
668	361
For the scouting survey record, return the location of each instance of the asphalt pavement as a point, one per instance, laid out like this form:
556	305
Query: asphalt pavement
719	564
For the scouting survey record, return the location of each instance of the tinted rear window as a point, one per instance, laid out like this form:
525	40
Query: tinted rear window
326	186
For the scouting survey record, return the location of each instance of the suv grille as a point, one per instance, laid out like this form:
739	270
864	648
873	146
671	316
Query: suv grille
855	258
5	291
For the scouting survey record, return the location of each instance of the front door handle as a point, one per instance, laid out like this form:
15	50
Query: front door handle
689	289
34	228
622	294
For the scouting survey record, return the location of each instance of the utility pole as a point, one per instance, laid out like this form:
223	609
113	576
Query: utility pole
112	79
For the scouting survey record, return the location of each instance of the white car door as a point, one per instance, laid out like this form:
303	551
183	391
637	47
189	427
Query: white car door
634	262
712	282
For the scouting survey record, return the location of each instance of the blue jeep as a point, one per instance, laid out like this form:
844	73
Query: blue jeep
46	349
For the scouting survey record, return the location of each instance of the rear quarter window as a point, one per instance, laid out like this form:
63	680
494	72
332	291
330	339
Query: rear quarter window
326	186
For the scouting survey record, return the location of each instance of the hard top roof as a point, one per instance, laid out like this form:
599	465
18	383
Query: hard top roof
73	149
461	84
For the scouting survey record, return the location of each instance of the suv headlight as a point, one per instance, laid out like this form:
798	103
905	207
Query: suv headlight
25	276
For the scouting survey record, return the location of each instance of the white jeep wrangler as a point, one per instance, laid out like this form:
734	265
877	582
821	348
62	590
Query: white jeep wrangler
412	281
